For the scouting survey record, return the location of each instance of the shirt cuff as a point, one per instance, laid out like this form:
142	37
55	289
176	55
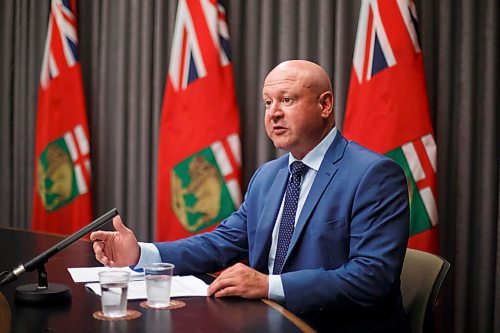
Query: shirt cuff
276	292
149	255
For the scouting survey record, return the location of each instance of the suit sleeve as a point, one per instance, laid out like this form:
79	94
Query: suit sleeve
211	251
379	226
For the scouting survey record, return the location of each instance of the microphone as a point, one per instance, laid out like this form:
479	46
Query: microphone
39	261
12	275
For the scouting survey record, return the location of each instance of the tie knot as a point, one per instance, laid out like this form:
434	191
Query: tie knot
298	168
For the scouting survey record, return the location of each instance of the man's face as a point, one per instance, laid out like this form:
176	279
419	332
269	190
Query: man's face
293	117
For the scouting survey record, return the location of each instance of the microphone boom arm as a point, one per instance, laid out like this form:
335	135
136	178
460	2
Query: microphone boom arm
42	258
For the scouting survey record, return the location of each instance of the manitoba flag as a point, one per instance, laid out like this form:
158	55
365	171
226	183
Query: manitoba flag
199	155
387	108
62	197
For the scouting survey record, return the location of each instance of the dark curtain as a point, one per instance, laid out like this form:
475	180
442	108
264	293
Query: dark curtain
124	51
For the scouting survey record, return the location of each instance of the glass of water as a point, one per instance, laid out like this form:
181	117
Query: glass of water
114	287
158	283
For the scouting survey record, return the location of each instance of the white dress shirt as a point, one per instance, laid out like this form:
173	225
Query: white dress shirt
313	160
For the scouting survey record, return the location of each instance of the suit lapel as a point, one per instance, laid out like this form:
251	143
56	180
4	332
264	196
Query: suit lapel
267	220
325	174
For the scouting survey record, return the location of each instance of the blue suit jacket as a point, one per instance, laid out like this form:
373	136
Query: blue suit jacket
347	249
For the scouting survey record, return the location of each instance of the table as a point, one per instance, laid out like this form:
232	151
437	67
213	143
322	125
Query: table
201	314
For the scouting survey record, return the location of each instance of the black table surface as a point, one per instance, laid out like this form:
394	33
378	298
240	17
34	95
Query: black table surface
201	314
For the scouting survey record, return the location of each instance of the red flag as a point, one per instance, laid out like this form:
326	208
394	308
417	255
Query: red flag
199	151
62	197
387	108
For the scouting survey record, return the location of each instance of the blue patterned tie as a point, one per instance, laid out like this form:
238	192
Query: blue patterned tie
288	217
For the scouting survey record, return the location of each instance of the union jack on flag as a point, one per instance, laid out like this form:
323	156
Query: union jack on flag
186	60
373	51
61	45
387	109
217	24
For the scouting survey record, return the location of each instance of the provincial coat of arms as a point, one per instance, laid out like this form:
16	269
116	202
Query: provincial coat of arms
56	182
61	167
200	197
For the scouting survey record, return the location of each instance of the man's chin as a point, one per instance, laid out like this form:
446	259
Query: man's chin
280	144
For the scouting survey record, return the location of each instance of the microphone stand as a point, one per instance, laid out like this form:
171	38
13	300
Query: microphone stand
43	292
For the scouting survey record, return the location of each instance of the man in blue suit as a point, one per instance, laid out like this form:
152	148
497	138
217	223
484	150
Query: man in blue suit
329	249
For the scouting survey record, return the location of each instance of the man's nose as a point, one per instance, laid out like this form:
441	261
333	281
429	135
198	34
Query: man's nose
275	111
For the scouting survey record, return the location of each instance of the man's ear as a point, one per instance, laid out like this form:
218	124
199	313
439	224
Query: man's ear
326	101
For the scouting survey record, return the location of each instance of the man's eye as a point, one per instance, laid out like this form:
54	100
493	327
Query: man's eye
268	104
287	100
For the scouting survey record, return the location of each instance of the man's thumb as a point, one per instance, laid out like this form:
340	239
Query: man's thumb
118	224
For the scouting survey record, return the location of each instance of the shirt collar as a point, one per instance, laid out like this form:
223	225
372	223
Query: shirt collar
314	158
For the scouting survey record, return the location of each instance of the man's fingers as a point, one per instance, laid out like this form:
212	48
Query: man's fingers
214	287
227	278
101	258
98	235
229	291
240	280
98	247
100	255
220	283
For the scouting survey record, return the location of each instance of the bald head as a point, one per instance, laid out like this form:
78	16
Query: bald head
299	106
309	74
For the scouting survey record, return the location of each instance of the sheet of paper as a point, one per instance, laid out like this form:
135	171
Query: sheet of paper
181	286
90	274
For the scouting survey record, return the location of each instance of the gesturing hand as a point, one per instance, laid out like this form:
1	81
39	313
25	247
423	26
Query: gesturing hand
240	280
116	248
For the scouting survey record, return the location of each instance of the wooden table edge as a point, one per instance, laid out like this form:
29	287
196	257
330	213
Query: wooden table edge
303	326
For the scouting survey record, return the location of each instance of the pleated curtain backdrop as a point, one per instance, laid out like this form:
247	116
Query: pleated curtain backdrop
124	53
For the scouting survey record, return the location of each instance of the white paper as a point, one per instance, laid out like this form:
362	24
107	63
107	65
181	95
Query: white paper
181	286
90	274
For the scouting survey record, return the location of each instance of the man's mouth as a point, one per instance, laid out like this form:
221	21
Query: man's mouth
277	129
